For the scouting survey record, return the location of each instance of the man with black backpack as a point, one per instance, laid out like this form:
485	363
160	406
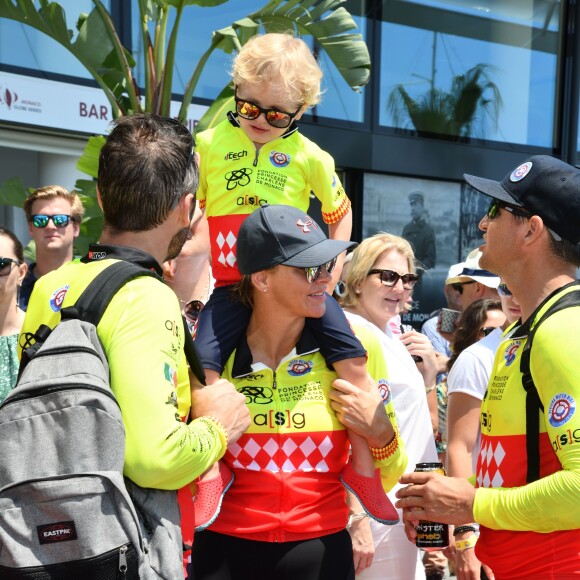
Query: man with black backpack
527	486
146	187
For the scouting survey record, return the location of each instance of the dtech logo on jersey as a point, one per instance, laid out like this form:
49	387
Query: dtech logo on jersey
385	391
278	159
299	367
57	298
235	155
510	353
562	408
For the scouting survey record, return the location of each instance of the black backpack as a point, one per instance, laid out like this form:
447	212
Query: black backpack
66	511
533	403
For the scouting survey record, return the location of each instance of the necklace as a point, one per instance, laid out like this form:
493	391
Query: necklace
204	294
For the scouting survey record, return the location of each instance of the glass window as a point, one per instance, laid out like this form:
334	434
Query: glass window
26	47
339	101
485	70
440	220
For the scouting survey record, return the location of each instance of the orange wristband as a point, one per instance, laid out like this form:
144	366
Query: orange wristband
380	454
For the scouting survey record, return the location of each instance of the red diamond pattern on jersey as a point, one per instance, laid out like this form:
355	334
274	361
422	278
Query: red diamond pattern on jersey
491	456
226	245
502	461
285	453
223	235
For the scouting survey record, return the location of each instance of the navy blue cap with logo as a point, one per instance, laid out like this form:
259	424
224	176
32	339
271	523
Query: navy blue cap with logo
282	234
543	186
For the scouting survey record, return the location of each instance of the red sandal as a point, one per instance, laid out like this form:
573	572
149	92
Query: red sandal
209	495
370	493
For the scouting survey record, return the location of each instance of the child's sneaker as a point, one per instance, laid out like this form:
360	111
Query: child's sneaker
209	495
370	493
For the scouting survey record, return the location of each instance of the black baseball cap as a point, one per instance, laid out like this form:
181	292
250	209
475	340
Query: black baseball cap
543	186
283	234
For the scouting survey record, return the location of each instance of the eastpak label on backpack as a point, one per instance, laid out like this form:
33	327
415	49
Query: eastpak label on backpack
66	511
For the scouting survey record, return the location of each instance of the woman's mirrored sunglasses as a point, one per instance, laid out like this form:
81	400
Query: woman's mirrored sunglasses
504	290
6	265
496	205
274	117
60	220
313	273
390	278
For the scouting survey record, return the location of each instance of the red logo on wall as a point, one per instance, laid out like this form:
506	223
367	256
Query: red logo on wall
8	97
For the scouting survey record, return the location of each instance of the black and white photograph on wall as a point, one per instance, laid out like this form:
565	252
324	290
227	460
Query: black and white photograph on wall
427	214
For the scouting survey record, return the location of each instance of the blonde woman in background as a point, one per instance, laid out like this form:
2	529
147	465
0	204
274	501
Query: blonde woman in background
378	284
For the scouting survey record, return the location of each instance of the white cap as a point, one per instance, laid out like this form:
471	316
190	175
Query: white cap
472	271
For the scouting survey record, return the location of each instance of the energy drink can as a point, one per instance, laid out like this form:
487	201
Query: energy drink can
431	536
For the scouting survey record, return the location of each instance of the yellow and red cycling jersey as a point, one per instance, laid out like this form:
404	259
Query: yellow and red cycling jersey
532	531
142	335
235	179
287	465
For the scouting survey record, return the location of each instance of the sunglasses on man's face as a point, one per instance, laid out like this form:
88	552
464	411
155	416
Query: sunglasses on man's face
60	220
6	265
458	286
504	290
390	278
496	205
274	117
314	272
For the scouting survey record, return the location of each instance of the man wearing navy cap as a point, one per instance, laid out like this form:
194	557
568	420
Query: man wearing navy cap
527	484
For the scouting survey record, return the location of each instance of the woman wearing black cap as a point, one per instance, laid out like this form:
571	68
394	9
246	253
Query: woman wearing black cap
285	513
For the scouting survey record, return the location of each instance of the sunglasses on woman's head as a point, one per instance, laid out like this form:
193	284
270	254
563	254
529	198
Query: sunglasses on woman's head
274	117
390	278
314	272
60	220
6	265
496	205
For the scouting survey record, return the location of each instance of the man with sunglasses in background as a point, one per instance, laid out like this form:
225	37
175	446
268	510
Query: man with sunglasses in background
527	484
473	282
54	216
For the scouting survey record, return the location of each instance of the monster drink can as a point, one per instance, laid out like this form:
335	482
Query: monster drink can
432	536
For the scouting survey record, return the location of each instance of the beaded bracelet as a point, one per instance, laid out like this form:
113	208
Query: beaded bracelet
382	453
462	545
462	529
216	423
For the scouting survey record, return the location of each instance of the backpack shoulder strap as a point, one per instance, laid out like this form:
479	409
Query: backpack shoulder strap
95	299
93	302
533	401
